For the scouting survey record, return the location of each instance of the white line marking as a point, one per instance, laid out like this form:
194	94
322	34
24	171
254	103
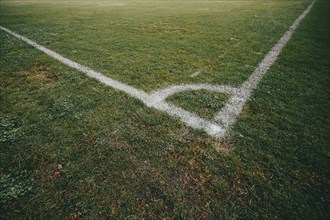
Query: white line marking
195	73
224	118
151	100
89	72
162	94
228	114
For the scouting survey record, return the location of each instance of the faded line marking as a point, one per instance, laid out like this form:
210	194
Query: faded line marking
224	118
196	74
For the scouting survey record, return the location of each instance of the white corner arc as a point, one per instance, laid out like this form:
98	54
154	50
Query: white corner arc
223	120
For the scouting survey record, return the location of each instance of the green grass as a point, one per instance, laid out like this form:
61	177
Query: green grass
205	103
72	147
151	45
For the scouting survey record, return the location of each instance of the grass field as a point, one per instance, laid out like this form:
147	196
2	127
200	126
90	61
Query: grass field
72	147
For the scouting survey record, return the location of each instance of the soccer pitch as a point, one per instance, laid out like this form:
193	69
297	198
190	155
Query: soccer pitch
197	109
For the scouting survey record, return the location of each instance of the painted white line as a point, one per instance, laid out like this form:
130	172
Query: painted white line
162	94
224	118
89	72
191	119
196	74
151	100
228	114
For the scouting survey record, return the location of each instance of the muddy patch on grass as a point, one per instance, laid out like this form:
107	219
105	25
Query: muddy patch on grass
224	146
41	72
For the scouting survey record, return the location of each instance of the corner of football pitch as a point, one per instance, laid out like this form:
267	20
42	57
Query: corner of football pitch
164	109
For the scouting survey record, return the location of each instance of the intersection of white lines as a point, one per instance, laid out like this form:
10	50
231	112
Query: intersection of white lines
222	121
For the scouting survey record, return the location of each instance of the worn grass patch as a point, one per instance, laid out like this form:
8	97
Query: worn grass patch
155	44
74	148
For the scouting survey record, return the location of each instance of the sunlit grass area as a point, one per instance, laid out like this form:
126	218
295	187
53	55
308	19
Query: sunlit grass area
74	148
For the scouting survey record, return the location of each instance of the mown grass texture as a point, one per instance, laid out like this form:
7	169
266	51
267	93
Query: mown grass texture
71	147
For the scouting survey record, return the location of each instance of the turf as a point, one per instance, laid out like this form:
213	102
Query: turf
73	148
204	103
155	44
